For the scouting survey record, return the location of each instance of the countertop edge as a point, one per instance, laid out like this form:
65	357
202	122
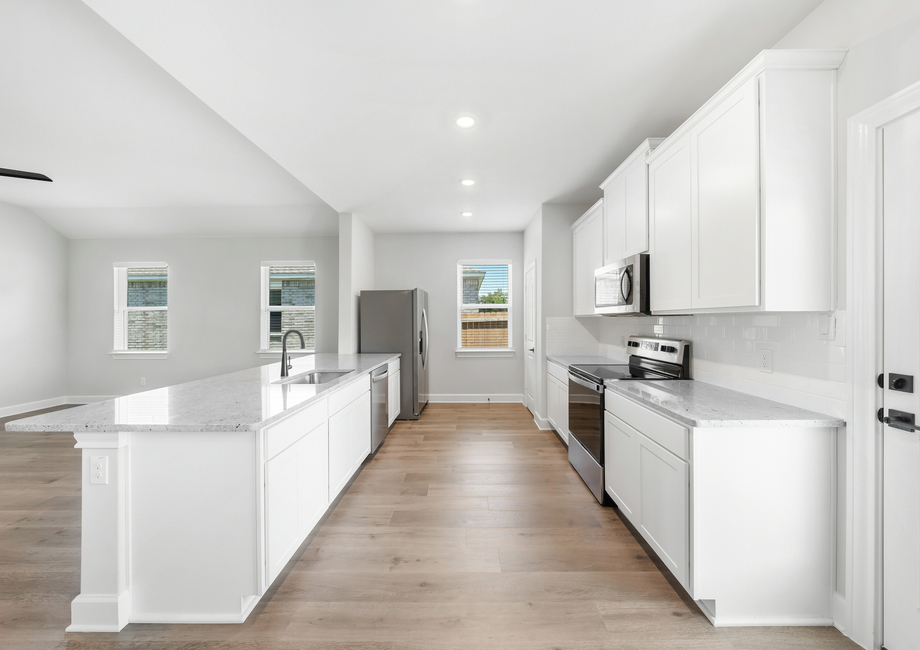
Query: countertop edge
817	423
175	428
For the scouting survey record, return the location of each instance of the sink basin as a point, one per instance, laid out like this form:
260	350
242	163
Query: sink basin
315	377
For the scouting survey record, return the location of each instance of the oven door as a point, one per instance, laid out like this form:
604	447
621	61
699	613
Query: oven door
586	415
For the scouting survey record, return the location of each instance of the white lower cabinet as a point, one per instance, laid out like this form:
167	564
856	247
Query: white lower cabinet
620	442
393	397
309	457
742	516
664	509
349	442
557	399
651	486
296	496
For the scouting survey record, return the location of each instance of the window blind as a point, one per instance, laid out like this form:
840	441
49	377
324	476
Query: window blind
484	305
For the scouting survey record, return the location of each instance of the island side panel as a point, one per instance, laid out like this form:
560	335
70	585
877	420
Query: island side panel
194	510
763	534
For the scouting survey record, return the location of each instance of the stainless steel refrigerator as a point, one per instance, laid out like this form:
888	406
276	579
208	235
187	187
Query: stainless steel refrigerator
397	321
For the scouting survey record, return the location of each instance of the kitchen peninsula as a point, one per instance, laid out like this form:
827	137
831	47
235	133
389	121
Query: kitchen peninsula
195	496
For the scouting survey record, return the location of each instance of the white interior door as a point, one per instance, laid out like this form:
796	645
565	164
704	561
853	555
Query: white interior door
530	335
901	483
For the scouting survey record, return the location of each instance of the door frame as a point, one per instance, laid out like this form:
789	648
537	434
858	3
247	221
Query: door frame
859	612
533	317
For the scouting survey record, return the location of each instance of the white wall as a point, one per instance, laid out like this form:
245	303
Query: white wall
429	262
548	239
356	274
33	311
213	301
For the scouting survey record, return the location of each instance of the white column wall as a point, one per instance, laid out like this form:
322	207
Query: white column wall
356	273
33	312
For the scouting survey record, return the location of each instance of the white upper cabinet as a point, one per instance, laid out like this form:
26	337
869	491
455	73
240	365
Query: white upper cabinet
626	205
588	256
741	196
725	214
669	209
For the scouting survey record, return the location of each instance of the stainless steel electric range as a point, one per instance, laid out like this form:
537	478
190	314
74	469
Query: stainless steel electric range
649	358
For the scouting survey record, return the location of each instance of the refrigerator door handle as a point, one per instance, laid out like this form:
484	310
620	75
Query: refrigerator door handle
425	340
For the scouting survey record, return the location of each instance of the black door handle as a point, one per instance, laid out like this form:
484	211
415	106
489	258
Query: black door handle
900	420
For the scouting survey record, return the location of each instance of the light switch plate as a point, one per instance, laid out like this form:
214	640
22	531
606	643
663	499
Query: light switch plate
99	470
827	327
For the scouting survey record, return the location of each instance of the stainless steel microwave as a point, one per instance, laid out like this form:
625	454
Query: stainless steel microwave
621	289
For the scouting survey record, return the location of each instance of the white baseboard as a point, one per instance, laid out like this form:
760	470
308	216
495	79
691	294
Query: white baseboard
87	399
542	423
16	409
840	613
474	398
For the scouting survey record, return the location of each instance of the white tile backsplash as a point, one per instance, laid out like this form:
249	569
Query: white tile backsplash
807	371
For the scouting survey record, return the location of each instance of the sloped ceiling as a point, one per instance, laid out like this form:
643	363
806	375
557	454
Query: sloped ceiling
248	104
132	152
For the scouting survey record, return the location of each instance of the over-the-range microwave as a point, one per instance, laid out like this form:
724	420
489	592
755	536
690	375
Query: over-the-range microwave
621	288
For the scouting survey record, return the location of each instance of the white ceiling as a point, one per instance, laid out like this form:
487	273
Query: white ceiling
131	151
247	104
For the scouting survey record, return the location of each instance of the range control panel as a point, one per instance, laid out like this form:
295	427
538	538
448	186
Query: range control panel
670	350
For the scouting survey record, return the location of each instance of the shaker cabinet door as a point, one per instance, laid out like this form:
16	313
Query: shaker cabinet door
620	444
635	239
588	254
615	220
664	508
669	213
726	210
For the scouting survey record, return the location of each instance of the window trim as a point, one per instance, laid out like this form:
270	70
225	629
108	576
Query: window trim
265	351
121	310
490	351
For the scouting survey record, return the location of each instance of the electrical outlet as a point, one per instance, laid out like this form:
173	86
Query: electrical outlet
99	470
622	341
765	360
143	381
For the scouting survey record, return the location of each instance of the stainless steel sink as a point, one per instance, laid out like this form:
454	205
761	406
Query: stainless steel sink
316	377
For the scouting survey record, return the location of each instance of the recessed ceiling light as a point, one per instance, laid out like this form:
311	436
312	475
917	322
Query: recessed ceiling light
466	121
467	182
466	214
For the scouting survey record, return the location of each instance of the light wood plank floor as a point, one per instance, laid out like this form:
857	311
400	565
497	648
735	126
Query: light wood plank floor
468	529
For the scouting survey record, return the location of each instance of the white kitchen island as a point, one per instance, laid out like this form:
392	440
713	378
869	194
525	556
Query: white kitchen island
195	496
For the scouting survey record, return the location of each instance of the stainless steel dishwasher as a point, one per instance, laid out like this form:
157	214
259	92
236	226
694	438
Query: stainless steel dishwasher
379	400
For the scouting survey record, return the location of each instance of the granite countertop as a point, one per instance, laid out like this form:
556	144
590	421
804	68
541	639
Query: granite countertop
237	401
698	404
566	360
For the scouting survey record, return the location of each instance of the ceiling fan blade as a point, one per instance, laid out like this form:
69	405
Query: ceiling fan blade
32	176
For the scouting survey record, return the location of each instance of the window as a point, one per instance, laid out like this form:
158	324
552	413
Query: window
484	307
288	303
140	308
